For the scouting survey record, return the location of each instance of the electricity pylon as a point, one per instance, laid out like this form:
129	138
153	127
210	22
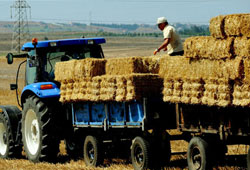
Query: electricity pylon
21	27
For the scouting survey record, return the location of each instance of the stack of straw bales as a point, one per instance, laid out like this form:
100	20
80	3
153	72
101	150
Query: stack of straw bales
115	79
216	66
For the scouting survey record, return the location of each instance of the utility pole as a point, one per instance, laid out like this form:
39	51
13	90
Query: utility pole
21	27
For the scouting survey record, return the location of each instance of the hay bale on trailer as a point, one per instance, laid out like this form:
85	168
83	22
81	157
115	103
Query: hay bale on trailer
130	65
242	47
217	92
89	67
230	25
208	47
216	27
64	71
180	67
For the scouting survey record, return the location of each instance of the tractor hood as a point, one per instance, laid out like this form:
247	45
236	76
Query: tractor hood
65	42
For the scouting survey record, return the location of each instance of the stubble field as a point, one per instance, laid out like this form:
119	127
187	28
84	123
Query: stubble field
115	47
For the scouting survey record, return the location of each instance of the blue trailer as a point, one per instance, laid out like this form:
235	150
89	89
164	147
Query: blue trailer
92	130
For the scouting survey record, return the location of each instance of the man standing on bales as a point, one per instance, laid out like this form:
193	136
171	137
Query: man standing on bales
172	42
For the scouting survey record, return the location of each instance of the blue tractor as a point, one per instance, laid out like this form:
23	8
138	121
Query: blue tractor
92	130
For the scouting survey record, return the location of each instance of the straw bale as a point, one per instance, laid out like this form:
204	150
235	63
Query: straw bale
143	85
180	67
217	92
208	47
216	26
107	88
241	94
64	70
230	25
237	25
130	65
242	46
167	98
89	67
246	70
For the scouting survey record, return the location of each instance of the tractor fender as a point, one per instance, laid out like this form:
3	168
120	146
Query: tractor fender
36	89
13	115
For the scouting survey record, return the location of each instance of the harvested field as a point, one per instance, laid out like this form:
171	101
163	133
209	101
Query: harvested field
230	25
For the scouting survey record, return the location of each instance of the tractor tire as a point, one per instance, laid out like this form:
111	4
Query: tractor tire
93	154
140	154
8	149
198	156
38	135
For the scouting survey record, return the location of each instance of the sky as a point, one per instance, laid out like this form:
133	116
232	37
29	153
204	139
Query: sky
126	11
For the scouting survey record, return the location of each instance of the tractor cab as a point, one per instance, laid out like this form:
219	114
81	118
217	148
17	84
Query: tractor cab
43	55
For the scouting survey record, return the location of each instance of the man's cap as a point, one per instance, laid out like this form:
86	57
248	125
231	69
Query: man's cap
161	20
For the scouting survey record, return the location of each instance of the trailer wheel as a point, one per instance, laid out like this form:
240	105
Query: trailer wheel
38	135
7	144
92	150
197	154
140	154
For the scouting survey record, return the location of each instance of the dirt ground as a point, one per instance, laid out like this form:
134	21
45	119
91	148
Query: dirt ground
115	47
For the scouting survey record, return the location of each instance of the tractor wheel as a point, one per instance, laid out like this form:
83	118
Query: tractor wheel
38	135
93	155
198	157
140	154
7	144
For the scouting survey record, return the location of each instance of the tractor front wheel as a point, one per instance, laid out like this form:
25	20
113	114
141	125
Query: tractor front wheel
38	135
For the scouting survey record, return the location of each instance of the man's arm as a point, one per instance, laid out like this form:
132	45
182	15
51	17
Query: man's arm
163	46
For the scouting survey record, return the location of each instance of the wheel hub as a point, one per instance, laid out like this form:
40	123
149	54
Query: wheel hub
32	132
196	158
139	155
91	152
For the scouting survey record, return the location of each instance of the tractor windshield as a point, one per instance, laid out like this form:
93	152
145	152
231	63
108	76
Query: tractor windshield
59	54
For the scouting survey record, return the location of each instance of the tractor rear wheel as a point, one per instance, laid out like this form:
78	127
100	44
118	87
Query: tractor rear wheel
38	135
7	144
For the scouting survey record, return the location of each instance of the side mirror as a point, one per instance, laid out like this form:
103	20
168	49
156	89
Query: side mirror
13	86
9	58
